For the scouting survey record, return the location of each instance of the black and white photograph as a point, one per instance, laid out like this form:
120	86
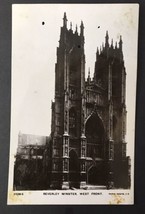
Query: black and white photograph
73	96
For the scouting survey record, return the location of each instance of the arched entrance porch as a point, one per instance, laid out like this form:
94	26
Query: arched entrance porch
96	175
74	174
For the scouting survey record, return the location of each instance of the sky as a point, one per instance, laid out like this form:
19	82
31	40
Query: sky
34	57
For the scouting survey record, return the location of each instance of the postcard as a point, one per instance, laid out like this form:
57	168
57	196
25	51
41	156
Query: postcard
73	95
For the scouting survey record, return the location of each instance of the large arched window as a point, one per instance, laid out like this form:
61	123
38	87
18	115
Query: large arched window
94	131
72	122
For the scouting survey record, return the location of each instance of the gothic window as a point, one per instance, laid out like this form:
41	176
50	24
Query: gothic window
57	129
73	74
94	131
72	122
72	93
58	120
56	152
32	151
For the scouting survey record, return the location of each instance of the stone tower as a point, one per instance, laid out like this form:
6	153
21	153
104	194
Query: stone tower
106	118
68	108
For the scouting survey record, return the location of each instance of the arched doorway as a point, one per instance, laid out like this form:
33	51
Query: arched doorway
73	169
96	175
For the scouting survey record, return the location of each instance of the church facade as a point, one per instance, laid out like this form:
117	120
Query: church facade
88	147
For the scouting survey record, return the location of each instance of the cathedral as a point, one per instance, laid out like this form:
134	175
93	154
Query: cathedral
86	148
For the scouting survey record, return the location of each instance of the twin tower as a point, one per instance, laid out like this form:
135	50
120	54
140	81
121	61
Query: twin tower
88	147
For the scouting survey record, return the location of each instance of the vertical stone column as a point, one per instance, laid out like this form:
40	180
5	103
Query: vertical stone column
83	137
110	158
55	176
83	147
123	142
65	140
123	133
65	162
110	184
83	162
